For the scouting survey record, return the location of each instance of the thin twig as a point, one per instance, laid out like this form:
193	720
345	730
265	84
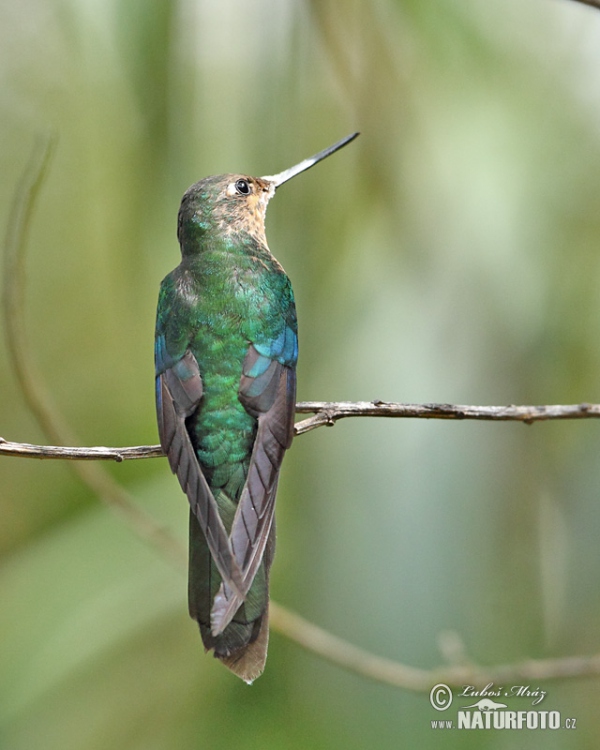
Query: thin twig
357	660
329	413
326	414
344	654
97	453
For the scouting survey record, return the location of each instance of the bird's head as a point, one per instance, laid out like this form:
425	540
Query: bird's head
230	204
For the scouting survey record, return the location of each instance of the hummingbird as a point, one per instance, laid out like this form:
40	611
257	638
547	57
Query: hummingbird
226	349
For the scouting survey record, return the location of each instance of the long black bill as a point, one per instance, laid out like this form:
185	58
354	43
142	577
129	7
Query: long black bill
287	174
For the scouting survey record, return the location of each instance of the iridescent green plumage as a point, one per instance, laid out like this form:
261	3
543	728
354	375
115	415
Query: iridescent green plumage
226	352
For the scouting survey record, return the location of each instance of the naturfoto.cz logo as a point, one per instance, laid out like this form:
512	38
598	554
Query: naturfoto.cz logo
489	713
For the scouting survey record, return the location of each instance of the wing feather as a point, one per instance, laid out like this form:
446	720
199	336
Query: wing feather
179	392
274	404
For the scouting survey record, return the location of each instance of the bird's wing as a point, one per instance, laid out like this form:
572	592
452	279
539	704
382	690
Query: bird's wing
178	395
268	391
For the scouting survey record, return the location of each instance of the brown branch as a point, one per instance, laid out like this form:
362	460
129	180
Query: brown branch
96	453
327	413
357	660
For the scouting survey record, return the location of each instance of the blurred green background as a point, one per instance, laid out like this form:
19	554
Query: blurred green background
451	254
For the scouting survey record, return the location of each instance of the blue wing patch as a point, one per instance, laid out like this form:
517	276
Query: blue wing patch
162	360
283	349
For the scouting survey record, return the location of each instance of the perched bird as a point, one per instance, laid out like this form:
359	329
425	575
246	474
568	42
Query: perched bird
226	351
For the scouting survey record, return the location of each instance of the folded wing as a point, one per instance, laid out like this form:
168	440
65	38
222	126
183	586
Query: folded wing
268	391
178	395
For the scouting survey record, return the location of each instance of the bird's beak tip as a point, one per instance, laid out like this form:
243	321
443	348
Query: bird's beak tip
278	179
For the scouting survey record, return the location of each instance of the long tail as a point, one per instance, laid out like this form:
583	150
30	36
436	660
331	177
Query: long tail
242	646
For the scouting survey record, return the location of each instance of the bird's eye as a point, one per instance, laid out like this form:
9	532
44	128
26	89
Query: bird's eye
242	187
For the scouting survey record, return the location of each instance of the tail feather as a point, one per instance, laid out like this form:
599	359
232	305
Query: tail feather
248	663
242	646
